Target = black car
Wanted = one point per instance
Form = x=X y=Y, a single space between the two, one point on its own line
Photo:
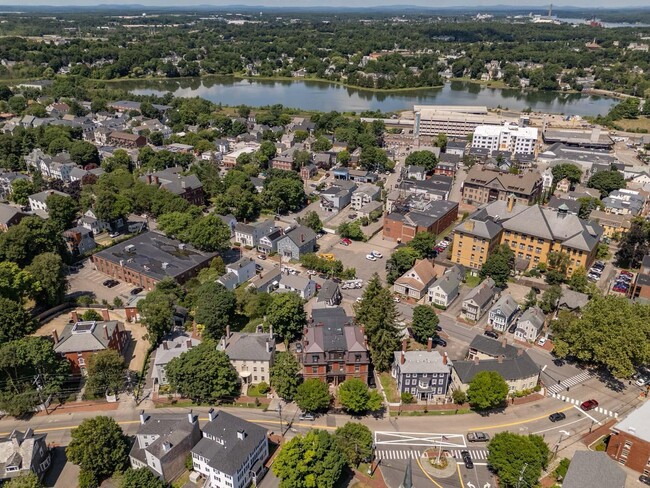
x=644 y=479
x=467 y=459
x=136 y=291
x=106 y=282
x=438 y=328
x=113 y=283
x=556 y=417
x=491 y=333
x=439 y=341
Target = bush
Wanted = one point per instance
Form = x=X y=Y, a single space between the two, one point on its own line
x=563 y=467
x=263 y=387
x=248 y=248
x=407 y=397
x=459 y=396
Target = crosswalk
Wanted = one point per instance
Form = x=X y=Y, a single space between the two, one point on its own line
x=477 y=454
x=396 y=454
x=569 y=382
x=573 y=401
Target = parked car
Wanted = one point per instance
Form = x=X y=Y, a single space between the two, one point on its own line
x=467 y=459
x=542 y=341
x=491 y=333
x=307 y=416
x=440 y=341
x=644 y=479
x=627 y=273
x=642 y=380
x=589 y=405
x=370 y=257
x=346 y=242
x=106 y=282
x=114 y=234
x=477 y=437
x=258 y=267
x=377 y=254
x=261 y=257
x=136 y=291
x=556 y=417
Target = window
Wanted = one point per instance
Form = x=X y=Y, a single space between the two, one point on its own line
x=538 y=250
x=255 y=369
x=357 y=368
x=522 y=245
x=314 y=369
x=314 y=358
x=82 y=362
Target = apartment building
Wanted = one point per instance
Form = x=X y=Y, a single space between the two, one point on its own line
x=506 y=137
x=484 y=185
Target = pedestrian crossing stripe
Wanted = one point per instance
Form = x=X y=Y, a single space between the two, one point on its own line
x=396 y=454
x=476 y=454
x=569 y=382
x=573 y=401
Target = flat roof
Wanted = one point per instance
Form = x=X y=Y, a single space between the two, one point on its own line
x=636 y=423
x=460 y=109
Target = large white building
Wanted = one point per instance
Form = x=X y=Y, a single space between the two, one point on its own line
x=455 y=121
x=506 y=137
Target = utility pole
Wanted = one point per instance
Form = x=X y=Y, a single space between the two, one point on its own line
x=280 y=415
x=521 y=475
x=39 y=387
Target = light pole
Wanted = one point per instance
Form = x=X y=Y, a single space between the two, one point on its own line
x=521 y=475
x=280 y=415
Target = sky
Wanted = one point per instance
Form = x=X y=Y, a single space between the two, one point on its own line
x=336 y=3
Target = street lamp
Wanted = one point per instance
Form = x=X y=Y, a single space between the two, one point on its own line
x=280 y=415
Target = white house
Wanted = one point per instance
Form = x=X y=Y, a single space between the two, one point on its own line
x=365 y=194
x=304 y=287
x=237 y=273
x=37 y=200
x=416 y=281
x=445 y=289
x=503 y=312
x=92 y=223
x=250 y=234
x=530 y=324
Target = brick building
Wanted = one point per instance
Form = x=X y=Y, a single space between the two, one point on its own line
x=334 y=349
x=641 y=285
x=125 y=139
x=403 y=223
x=484 y=185
x=629 y=443
x=171 y=179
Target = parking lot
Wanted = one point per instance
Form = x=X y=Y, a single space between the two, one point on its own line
x=88 y=280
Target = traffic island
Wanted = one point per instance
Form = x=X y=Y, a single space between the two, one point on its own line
x=439 y=464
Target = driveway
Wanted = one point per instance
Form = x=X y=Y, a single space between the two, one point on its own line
x=88 y=280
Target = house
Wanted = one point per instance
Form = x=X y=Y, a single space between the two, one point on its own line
x=297 y=242
x=337 y=196
x=301 y=286
x=267 y=282
x=22 y=453
x=333 y=348
x=187 y=187
x=503 y=312
x=90 y=221
x=238 y=272
x=613 y=225
x=371 y=210
x=530 y=324
x=457 y=148
x=308 y=171
x=125 y=139
x=365 y=194
x=404 y=221
x=625 y=202
x=231 y=453
x=269 y=243
x=9 y=216
x=81 y=339
x=593 y=468
x=564 y=204
x=329 y=294
x=6 y=180
x=413 y=172
x=446 y=288
x=629 y=443
x=250 y=234
x=520 y=372
x=416 y=281
x=483 y=185
x=437 y=187
x=230 y=221
x=38 y=201
x=484 y=347
x=171 y=347
x=79 y=240
x=572 y=300
x=163 y=442
x=251 y=354
x=478 y=300
x=424 y=374
x=149 y=257
x=447 y=165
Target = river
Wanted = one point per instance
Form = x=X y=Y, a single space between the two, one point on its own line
x=322 y=96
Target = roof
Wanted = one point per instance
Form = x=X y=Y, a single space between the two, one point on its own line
x=169 y=429
x=425 y=269
x=636 y=423
x=593 y=468
x=523 y=183
x=483 y=293
x=17 y=449
x=301 y=235
x=172 y=179
x=177 y=344
x=480 y=224
x=87 y=336
x=573 y=300
x=328 y=291
x=572 y=206
x=493 y=347
x=506 y=304
x=156 y=255
x=332 y=330
x=124 y=135
x=295 y=282
x=42 y=196
x=645 y=263
x=250 y=228
x=222 y=447
x=534 y=315
x=249 y=346
x=7 y=213
x=240 y=263
x=422 y=362
x=448 y=282
x=510 y=369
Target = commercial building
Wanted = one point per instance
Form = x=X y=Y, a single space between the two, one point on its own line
x=612 y=224
x=424 y=374
x=484 y=185
x=594 y=139
x=149 y=257
x=506 y=137
x=629 y=443
x=454 y=120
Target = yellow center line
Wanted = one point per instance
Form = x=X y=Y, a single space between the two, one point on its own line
x=460 y=476
x=426 y=474
x=519 y=422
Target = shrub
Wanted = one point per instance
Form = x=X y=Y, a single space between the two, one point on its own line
x=263 y=387
x=459 y=396
x=407 y=397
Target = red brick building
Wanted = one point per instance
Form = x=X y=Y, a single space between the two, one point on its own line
x=641 y=286
x=187 y=187
x=81 y=339
x=125 y=139
x=333 y=348
x=401 y=225
x=629 y=443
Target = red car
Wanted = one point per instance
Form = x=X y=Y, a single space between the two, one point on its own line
x=346 y=241
x=589 y=405
x=318 y=287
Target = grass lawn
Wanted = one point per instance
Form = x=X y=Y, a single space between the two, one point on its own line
x=640 y=123
x=390 y=387
x=472 y=281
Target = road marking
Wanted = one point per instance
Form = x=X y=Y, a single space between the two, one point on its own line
x=558 y=426
x=460 y=476
x=573 y=401
x=423 y=439
x=427 y=474
x=519 y=422
x=569 y=382
x=585 y=413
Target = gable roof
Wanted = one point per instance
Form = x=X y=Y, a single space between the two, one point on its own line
x=493 y=347
x=169 y=429
x=87 y=336
x=534 y=315
x=421 y=362
x=426 y=271
x=636 y=423
x=593 y=468
x=506 y=304
x=448 y=282
x=301 y=235
x=483 y=293
x=511 y=369
x=248 y=346
x=523 y=183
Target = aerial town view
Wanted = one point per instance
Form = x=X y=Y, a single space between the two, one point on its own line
x=363 y=244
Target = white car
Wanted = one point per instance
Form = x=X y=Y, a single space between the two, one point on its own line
x=376 y=254
x=359 y=299
x=542 y=341
x=370 y=257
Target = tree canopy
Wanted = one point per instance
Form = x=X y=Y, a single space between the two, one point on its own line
x=312 y=395
x=499 y=265
x=566 y=170
x=214 y=308
x=607 y=181
x=357 y=398
x=424 y=323
x=514 y=457
x=106 y=372
x=426 y=159
x=487 y=390
x=285 y=375
x=286 y=316
x=355 y=442
x=141 y=478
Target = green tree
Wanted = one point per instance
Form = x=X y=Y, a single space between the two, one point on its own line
x=634 y=245
x=285 y=375
x=607 y=181
x=313 y=460
x=550 y=297
x=91 y=315
x=31 y=237
x=355 y=442
x=15 y=283
x=499 y=265
x=400 y=262
x=526 y=466
x=557 y=266
x=286 y=315
x=578 y=281
x=357 y=398
x=84 y=153
x=351 y=230
x=587 y=205
x=530 y=300
x=141 y=478
x=487 y=390
x=52 y=283
x=312 y=395
x=62 y=210
x=214 y=308
x=29 y=480
x=15 y=321
x=425 y=159
x=20 y=191
x=458 y=396
x=343 y=158
x=99 y=447
x=423 y=243
x=566 y=170
x=157 y=314
x=283 y=195
x=203 y=374
x=424 y=323
x=209 y=234
x=106 y=372
x=312 y=220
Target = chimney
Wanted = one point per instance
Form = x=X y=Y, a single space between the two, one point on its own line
x=365 y=341
x=108 y=338
x=165 y=346
x=511 y=202
x=74 y=316
x=228 y=331
x=445 y=359
x=269 y=348
x=500 y=359
x=476 y=360
x=55 y=336
x=429 y=344
x=148 y=179
x=404 y=345
x=183 y=184
x=190 y=417
x=520 y=352
x=302 y=237
x=241 y=435
x=105 y=314
x=402 y=358
x=211 y=414
x=143 y=418
x=188 y=343
x=504 y=342
x=155 y=180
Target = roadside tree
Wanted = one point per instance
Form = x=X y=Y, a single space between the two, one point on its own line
x=355 y=442
x=487 y=390
x=312 y=395
x=285 y=375
x=424 y=323
x=532 y=455
x=106 y=372
x=357 y=398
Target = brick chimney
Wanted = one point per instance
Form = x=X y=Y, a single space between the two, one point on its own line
x=228 y=331
x=404 y=345
x=429 y=344
x=55 y=336
x=108 y=338
x=402 y=358
x=504 y=342
x=520 y=352
x=165 y=346
x=155 y=180
x=74 y=316
x=476 y=360
x=445 y=359
x=500 y=359
x=189 y=343
x=105 y=315
x=149 y=179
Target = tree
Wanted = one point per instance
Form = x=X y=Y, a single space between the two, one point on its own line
x=578 y=281
x=15 y=283
x=607 y=181
x=91 y=315
x=587 y=205
x=530 y=300
x=214 y=308
x=566 y=170
x=20 y=191
x=355 y=442
x=343 y=158
x=312 y=220
x=209 y=234
x=52 y=284
x=357 y=398
x=29 y=480
x=351 y=230
x=285 y=375
x=203 y=374
x=424 y=323
x=425 y=159
x=84 y=153
x=106 y=372
x=557 y=266
x=157 y=314
x=31 y=237
x=312 y=395
x=634 y=245
x=286 y=316
x=141 y=478
x=62 y=210
x=441 y=141
x=458 y=396
x=99 y=447
x=487 y=390
x=15 y=321
x=309 y=461
x=524 y=468
x=283 y=195
x=400 y=262
x=499 y=265
x=423 y=243
x=550 y=298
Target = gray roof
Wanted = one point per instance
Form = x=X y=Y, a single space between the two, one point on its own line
x=301 y=235
x=42 y=196
x=332 y=330
x=573 y=300
x=573 y=206
x=479 y=224
x=267 y=279
x=172 y=180
x=519 y=367
x=170 y=429
x=18 y=449
x=240 y=263
x=86 y=336
x=250 y=228
x=7 y=213
x=421 y=362
x=593 y=468
x=493 y=347
x=636 y=423
x=249 y=346
x=483 y=293
x=176 y=345
x=328 y=291
x=506 y=304
x=229 y=280
x=156 y=255
x=534 y=315
x=229 y=453
x=294 y=281
x=448 y=282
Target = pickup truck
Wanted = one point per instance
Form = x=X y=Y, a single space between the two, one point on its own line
x=477 y=437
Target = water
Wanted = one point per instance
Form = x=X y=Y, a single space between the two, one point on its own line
x=314 y=95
